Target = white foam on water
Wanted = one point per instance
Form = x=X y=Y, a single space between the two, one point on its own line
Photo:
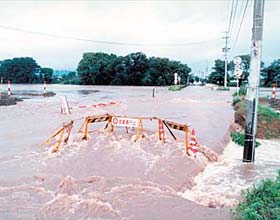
x=222 y=182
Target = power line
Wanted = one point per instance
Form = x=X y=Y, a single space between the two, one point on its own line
x=230 y=19
x=244 y=12
x=105 y=42
x=234 y=31
x=233 y=18
x=226 y=11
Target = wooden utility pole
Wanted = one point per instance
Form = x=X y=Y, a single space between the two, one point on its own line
x=253 y=83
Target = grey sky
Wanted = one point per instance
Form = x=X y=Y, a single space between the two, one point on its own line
x=141 y=22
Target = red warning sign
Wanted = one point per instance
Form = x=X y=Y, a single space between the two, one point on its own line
x=124 y=122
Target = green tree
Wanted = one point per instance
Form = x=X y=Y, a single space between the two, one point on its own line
x=96 y=68
x=136 y=64
x=46 y=74
x=246 y=68
x=191 y=79
x=161 y=71
x=218 y=74
x=132 y=69
x=20 y=70
x=271 y=74
x=120 y=70
x=70 y=78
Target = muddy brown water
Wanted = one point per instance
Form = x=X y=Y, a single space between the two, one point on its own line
x=109 y=176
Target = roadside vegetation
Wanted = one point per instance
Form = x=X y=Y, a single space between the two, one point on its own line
x=261 y=202
x=239 y=138
x=268 y=119
x=176 y=87
x=222 y=88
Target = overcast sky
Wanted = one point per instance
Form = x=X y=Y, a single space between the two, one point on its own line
x=156 y=25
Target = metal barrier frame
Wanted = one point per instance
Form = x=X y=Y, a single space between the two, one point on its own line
x=66 y=127
x=84 y=129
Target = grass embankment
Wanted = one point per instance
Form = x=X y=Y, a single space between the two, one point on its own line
x=176 y=87
x=268 y=120
x=261 y=202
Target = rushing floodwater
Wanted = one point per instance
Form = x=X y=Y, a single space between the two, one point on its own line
x=222 y=182
x=109 y=176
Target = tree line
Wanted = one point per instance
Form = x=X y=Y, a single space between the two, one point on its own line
x=269 y=74
x=132 y=69
x=24 y=70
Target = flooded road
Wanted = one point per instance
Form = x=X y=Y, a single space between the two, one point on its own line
x=108 y=176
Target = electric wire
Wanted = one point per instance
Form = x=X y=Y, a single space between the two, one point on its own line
x=234 y=31
x=233 y=18
x=231 y=13
x=105 y=42
x=240 y=26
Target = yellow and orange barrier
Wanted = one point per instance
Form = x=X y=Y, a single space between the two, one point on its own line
x=93 y=119
x=126 y=122
x=63 y=133
x=180 y=127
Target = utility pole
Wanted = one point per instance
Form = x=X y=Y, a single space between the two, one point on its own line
x=206 y=71
x=253 y=83
x=225 y=50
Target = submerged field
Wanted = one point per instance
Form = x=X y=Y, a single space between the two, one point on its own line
x=109 y=176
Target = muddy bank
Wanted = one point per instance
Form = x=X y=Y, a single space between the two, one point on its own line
x=275 y=103
x=6 y=100
x=34 y=94
x=268 y=121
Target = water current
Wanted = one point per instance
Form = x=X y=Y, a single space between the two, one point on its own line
x=112 y=177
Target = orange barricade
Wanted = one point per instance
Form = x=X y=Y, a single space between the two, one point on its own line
x=67 y=127
x=93 y=119
x=122 y=121
x=180 y=127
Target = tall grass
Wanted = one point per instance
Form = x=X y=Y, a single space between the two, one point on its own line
x=242 y=92
x=261 y=202
x=239 y=138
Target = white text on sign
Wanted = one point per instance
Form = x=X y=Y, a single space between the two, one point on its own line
x=124 y=122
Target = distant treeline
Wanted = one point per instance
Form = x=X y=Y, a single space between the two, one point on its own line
x=100 y=69
x=24 y=70
x=132 y=69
